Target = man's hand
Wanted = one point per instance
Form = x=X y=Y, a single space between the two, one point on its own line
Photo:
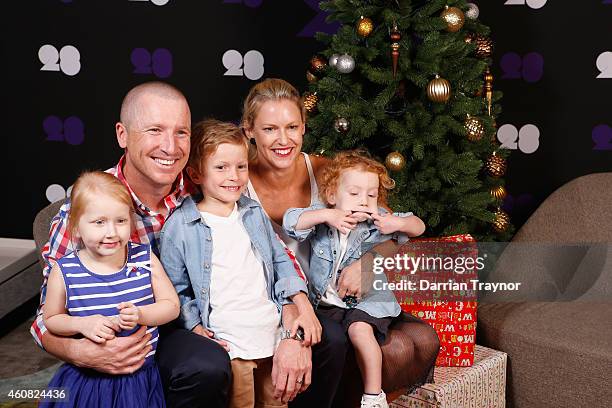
x=340 y=219
x=128 y=315
x=121 y=355
x=199 y=329
x=97 y=328
x=291 y=369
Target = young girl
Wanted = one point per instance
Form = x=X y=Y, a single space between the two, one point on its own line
x=229 y=269
x=109 y=287
x=348 y=224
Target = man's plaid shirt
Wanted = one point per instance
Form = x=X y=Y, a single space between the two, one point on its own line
x=146 y=228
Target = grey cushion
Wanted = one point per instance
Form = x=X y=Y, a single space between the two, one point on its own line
x=557 y=332
x=42 y=223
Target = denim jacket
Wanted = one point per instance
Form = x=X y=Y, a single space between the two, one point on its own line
x=324 y=247
x=186 y=251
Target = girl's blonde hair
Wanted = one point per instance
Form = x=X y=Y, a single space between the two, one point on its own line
x=271 y=89
x=354 y=159
x=88 y=187
x=207 y=135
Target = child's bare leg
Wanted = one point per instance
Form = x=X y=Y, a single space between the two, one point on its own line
x=369 y=356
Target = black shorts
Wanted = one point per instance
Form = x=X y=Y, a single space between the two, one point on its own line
x=346 y=317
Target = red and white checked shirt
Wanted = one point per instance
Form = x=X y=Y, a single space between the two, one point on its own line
x=148 y=225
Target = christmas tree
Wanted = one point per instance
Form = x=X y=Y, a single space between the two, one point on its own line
x=410 y=82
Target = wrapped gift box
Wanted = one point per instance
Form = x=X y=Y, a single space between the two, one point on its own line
x=449 y=307
x=455 y=324
x=483 y=385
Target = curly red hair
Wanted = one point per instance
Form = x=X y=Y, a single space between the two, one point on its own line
x=354 y=159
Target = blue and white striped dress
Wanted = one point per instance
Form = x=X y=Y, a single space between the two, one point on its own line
x=88 y=293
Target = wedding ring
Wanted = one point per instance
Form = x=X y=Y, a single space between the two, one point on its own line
x=299 y=381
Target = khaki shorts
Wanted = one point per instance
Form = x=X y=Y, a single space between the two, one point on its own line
x=252 y=384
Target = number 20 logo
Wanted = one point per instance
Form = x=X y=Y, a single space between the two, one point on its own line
x=251 y=66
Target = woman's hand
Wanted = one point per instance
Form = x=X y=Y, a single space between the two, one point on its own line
x=306 y=319
x=128 y=315
x=98 y=328
x=340 y=219
x=350 y=280
x=199 y=329
x=291 y=369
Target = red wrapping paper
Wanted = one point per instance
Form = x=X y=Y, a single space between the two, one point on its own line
x=452 y=313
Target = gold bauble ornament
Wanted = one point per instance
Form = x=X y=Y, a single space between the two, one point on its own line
x=439 y=90
x=311 y=77
x=502 y=220
x=495 y=165
x=395 y=161
x=317 y=64
x=365 y=26
x=310 y=102
x=499 y=193
x=454 y=18
x=473 y=128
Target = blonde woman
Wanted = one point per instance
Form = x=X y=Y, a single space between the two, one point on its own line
x=281 y=176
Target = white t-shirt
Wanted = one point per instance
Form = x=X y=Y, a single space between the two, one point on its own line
x=331 y=297
x=241 y=312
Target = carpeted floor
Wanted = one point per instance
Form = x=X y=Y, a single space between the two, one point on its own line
x=23 y=365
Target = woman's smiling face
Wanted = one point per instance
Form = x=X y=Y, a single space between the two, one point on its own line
x=278 y=130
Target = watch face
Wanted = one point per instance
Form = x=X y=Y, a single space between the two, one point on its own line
x=299 y=335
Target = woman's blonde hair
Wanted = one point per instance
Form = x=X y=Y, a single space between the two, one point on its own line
x=88 y=187
x=207 y=135
x=354 y=159
x=271 y=89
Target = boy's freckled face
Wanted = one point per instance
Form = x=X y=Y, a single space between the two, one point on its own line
x=225 y=173
x=357 y=191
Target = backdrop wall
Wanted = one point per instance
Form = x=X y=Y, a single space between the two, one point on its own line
x=68 y=63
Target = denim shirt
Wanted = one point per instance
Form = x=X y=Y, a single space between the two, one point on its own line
x=377 y=303
x=186 y=248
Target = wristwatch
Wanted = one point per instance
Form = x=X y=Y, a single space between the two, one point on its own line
x=286 y=334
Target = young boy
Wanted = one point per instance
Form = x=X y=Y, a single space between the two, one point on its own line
x=349 y=223
x=230 y=271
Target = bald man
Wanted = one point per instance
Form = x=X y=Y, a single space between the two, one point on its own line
x=154 y=130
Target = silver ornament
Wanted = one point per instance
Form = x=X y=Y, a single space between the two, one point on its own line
x=472 y=12
x=341 y=125
x=345 y=64
x=333 y=60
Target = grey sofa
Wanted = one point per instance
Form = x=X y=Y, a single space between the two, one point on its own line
x=558 y=330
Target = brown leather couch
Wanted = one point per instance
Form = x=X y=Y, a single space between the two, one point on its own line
x=558 y=330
